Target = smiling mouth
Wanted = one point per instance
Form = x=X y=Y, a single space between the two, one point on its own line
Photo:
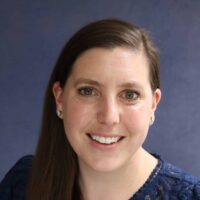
x=105 y=140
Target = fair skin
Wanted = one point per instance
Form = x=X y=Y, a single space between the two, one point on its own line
x=106 y=105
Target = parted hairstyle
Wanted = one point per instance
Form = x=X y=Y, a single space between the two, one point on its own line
x=55 y=170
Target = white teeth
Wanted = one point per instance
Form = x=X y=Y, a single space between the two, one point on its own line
x=105 y=140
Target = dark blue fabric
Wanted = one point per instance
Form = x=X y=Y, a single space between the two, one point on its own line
x=14 y=184
x=166 y=182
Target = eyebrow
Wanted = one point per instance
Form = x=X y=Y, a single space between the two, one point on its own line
x=87 y=81
x=131 y=84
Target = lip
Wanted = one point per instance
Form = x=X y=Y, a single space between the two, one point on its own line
x=102 y=146
x=106 y=135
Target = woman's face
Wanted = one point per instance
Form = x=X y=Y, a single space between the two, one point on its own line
x=107 y=104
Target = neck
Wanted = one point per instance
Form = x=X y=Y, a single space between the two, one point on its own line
x=119 y=184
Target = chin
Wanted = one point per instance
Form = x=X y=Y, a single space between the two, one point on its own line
x=106 y=166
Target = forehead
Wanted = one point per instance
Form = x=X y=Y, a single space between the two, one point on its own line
x=119 y=63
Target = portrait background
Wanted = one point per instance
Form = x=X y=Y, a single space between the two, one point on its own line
x=32 y=34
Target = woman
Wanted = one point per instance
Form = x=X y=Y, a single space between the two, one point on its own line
x=100 y=102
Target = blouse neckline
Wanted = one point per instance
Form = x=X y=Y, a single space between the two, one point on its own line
x=150 y=179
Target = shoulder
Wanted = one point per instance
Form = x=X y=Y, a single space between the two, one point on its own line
x=14 y=183
x=178 y=182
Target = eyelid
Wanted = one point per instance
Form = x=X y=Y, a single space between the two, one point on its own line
x=94 y=92
x=124 y=92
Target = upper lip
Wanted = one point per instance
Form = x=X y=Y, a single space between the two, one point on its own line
x=106 y=134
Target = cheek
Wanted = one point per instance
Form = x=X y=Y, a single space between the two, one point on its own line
x=136 y=124
x=76 y=116
x=137 y=119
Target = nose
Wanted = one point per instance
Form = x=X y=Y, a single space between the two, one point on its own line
x=108 y=112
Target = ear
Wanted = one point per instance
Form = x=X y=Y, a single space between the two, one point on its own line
x=156 y=99
x=57 y=92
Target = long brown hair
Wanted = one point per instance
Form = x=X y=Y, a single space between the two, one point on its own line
x=55 y=168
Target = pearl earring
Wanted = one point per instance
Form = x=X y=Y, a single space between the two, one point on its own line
x=59 y=113
x=152 y=119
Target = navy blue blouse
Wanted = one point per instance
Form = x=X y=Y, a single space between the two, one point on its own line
x=166 y=182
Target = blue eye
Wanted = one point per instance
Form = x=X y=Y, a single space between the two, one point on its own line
x=130 y=95
x=86 y=91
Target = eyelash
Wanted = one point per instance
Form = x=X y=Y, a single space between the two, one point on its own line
x=90 y=91
x=84 y=91
x=134 y=97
